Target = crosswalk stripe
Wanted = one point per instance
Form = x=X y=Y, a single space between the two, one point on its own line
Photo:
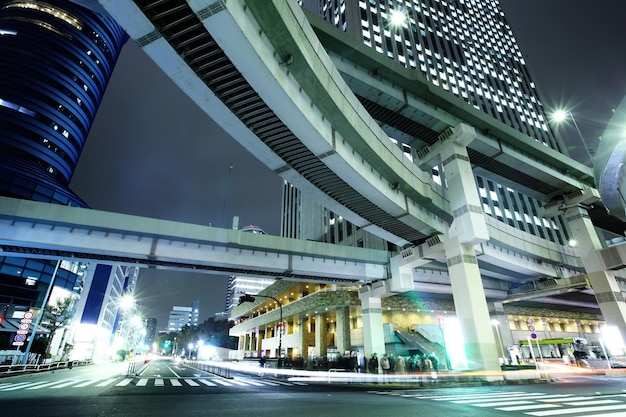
x=577 y=410
x=86 y=383
x=143 y=382
x=527 y=407
x=191 y=382
x=222 y=382
x=258 y=384
x=207 y=382
x=106 y=382
x=283 y=383
x=270 y=383
x=65 y=384
x=572 y=398
x=237 y=382
x=45 y=385
x=500 y=403
x=476 y=396
x=12 y=387
x=22 y=386
x=124 y=382
x=592 y=402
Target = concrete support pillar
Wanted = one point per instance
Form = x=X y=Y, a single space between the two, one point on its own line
x=342 y=334
x=602 y=282
x=373 y=334
x=579 y=327
x=471 y=307
x=546 y=328
x=467 y=229
x=258 y=340
x=504 y=337
x=248 y=341
x=320 y=334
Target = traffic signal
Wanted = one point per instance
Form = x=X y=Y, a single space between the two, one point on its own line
x=246 y=297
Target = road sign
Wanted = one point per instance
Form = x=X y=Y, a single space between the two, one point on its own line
x=531 y=328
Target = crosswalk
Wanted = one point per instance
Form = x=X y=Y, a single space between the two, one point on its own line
x=142 y=382
x=535 y=404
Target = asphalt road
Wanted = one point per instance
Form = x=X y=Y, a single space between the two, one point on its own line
x=171 y=389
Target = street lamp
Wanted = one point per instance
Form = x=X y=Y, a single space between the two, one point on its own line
x=559 y=116
x=247 y=297
x=397 y=18
x=230 y=168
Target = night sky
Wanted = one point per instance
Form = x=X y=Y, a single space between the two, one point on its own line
x=152 y=152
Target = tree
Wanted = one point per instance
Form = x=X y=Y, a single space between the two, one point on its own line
x=57 y=315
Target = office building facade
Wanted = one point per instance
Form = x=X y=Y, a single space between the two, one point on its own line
x=59 y=58
x=107 y=317
x=181 y=316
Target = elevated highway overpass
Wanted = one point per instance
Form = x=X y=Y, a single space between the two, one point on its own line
x=317 y=108
x=40 y=230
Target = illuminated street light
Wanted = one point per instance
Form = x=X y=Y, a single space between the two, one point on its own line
x=397 y=18
x=559 y=116
x=127 y=301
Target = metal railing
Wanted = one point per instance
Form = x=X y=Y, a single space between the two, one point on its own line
x=216 y=368
x=8 y=370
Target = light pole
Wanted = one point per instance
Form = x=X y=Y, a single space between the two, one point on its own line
x=247 y=297
x=561 y=115
x=496 y=324
x=230 y=168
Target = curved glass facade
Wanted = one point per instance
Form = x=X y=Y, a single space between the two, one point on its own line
x=57 y=59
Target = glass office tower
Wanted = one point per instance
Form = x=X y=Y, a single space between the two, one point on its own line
x=57 y=58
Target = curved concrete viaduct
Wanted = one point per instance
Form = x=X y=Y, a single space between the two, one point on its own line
x=260 y=70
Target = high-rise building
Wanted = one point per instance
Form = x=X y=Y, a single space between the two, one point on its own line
x=181 y=316
x=464 y=47
x=240 y=285
x=305 y=218
x=195 y=313
x=151 y=332
x=57 y=60
x=468 y=49
x=106 y=317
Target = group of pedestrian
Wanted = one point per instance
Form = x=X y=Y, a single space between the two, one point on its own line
x=422 y=365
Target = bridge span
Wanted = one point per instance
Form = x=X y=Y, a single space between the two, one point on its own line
x=40 y=230
x=275 y=83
